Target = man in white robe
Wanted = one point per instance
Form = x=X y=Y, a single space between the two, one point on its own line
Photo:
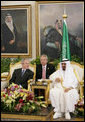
x=64 y=95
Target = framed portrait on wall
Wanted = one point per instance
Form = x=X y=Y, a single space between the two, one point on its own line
x=49 y=27
x=16 y=31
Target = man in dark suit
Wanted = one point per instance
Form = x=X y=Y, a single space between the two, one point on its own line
x=49 y=68
x=22 y=75
x=43 y=71
x=9 y=36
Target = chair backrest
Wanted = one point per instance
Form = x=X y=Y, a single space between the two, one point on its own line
x=18 y=65
x=78 y=68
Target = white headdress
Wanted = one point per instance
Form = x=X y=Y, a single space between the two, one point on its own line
x=9 y=24
x=68 y=75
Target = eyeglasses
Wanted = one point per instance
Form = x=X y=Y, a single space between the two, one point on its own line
x=24 y=63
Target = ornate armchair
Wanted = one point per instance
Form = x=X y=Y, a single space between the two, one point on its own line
x=16 y=66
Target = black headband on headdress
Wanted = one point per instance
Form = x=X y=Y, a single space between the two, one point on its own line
x=63 y=60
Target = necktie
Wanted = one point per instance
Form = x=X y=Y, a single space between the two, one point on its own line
x=43 y=73
x=23 y=71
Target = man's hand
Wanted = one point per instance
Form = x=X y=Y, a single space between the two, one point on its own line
x=11 y=42
x=57 y=44
x=3 y=48
x=58 y=80
x=67 y=89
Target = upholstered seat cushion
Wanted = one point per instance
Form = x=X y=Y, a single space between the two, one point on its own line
x=3 y=84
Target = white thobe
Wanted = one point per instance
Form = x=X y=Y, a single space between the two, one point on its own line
x=64 y=101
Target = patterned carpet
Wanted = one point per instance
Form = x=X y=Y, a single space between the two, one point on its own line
x=72 y=119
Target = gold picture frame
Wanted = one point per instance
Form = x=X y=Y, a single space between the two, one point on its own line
x=21 y=16
x=46 y=16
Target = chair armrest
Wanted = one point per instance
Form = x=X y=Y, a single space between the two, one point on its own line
x=4 y=84
x=8 y=77
x=81 y=82
x=29 y=82
x=48 y=81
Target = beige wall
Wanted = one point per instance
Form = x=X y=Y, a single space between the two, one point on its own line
x=3 y=3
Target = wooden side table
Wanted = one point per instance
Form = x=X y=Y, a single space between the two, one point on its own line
x=45 y=87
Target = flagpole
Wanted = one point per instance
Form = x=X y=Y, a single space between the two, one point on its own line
x=65 y=41
x=64 y=15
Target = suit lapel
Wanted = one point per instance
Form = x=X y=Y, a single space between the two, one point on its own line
x=24 y=73
x=46 y=70
x=47 y=67
x=40 y=73
x=41 y=68
x=19 y=73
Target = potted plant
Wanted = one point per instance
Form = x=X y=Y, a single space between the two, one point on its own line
x=79 y=107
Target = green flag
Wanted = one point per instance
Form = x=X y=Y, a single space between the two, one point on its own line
x=65 y=54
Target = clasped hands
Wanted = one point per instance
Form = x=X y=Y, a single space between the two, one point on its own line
x=11 y=42
x=57 y=80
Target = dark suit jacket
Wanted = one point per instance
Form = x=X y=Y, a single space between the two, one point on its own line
x=17 y=77
x=49 y=70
